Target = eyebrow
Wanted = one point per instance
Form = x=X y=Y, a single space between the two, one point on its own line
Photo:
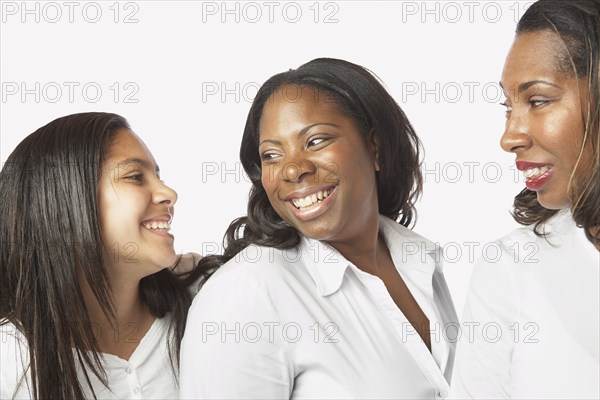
x=140 y=162
x=526 y=85
x=301 y=133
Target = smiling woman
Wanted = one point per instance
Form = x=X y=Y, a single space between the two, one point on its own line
x=319 y=296
x=545 y=306
x=89 y=307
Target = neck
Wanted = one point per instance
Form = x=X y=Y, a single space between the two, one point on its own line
x=365 y=251
x=132 y=315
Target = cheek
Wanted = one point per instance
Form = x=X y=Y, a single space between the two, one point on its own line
x=121 y=210
x=264 y=179
x=105 y=211
x=568 y=142
x=270 y=175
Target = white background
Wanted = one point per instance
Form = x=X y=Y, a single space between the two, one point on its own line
x=171 y=61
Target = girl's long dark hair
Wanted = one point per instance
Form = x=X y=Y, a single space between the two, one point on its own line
x=577 y=23
x=360 y=96
x=49 y=229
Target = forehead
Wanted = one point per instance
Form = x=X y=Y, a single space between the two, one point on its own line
x=534 y=55
x=293 y=103
x=127 y=144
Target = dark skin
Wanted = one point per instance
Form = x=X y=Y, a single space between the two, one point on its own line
x=383 y=267
x=307 y=147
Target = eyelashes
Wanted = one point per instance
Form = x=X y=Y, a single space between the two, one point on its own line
x=313 y=144
x=139 y=177
x=532 y=102
x=136 y=177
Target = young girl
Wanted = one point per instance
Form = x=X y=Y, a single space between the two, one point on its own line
x=88 y=306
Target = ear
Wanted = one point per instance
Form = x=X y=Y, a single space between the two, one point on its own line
x=373 y=143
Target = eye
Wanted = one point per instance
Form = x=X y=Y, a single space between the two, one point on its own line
x=268 y=156
x=537 y=103
x=316 y=141
x=508 y=108
x=136 y=177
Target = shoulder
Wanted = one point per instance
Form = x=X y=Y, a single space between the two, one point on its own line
x=14 y=362
x=255 y=273
x=401 y=232
x=258 y=265
x=498 y=274
x=11 y=338
x=405 y=240
x=412 y=248
x=560 y=228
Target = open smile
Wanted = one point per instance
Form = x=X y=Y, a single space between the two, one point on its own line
x=536 y=174
x=159 y=226
x=311 y=203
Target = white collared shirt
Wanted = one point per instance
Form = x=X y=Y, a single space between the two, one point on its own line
x=535 y=314
x=146 y=375
x=306 y=323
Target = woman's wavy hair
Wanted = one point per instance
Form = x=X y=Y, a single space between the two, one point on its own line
x=360 y=96
x=577 y=24
x=49 y=229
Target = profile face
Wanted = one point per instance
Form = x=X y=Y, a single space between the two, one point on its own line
x=545 y=118
x=135 y=208
x=318 y=170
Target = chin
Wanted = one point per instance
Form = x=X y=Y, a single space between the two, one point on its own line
x=166 y=261
x=553 y=202
x=322 y=235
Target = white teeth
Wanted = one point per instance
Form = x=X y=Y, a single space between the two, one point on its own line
x=158 y=225
x=535 y=172
x=311 y=199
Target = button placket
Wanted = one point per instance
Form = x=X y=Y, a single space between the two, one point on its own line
x=133 y=382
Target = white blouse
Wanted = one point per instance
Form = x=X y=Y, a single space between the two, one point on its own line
x=306 y=323
x=534 y=313
x=147 y=373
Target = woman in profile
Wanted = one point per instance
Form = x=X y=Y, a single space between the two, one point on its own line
x=325 y=292
x=89 y=307
x=541 y=298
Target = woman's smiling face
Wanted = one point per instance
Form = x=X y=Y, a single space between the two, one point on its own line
x=545 y=118
x=318 y=170
x=135 y=207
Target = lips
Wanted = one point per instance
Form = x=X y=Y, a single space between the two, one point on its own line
x=536 y=174
x=160 y=225
x=309 y=203
x=311 y=199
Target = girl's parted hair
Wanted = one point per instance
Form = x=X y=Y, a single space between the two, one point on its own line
x=49 y=229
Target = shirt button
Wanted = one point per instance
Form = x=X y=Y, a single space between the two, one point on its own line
x=136 y=390
x=441 y=395
x=128 y=370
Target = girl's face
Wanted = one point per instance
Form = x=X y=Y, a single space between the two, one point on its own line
x=317 y=169
x=545 y=117
x=136 y=208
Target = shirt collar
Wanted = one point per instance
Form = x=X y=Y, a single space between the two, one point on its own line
x=327 y=266
x=409 y=249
